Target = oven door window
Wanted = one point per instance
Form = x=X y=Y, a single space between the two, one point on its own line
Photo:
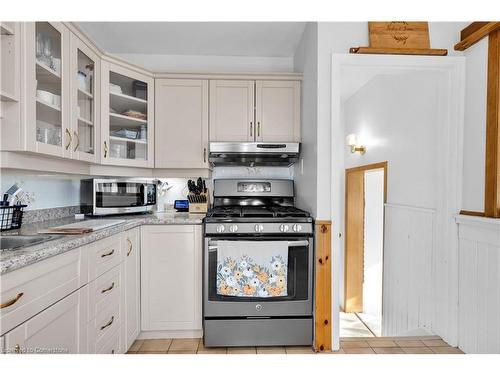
x=297 y=281
x=119 y=194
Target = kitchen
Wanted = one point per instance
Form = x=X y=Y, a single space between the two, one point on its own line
x=158 y=201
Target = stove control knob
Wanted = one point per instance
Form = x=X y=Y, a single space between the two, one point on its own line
x=220 y=228
x=284 y=228
x=259 y=228
x=297 y=227
x=233 y=228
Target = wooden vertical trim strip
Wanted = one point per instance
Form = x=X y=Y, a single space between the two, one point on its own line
x=323 y=287
x=492 y=163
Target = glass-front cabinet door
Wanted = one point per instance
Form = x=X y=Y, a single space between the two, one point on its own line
x=127 y=116
x=85 y=101
x=47 y=88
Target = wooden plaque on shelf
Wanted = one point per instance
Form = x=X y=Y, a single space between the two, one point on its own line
x=399 y=34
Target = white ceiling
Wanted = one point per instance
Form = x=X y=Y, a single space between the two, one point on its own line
x=273 y=39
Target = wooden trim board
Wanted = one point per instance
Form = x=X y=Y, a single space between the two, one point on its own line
x=474 y=33
x=399 y=51
x=492 y=163
x=323 y=287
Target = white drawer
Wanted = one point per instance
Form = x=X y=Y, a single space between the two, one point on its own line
x=104 y=290
x=31 y=289
x=105 y=323
x=106 y=254
x=109 y=345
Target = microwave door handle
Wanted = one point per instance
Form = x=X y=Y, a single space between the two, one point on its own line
x=144 y=195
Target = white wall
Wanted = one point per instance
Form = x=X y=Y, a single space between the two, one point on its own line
x=479 y=285
x=396 y=118
x=373 y=242
x=306 y=62
x=210 y=64
x=475 y=126
x=47 y=191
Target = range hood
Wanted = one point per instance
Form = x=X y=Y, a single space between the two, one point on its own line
x=253 y=153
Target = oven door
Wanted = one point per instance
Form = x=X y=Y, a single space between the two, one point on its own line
x=115 y=196
x=297 y=302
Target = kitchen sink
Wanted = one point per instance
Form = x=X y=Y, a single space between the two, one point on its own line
x=16 y=242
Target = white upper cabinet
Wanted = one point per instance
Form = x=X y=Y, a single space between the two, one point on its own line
x=181 y=116
x=277 y=111
x=85 y=101
x=127 y=116
x=47 y=119
x=232 y=111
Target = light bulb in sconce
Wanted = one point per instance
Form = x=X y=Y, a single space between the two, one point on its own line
x=352 y=142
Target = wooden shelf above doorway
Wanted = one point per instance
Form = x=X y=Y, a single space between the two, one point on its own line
x=399 y=51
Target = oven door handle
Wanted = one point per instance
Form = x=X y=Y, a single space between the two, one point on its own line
x=212 y=245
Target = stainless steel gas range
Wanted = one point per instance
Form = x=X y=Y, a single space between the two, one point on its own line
x=258 y=266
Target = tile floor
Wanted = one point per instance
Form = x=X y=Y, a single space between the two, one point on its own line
x=352 y=345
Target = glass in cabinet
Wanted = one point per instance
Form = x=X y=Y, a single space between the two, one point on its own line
x=47 y=50
x=127 y=117
x=85 y=101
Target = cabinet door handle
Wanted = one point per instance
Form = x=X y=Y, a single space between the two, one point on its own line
x=108 y=323
x=204 y=155
x=17 y=349
x=129 y=247
x=258 y=129
x=70 y=139
x=12 y=301
x=77 y=141
x=108 y=288
x=251 y=129
x=105 y=149
x=108 y=254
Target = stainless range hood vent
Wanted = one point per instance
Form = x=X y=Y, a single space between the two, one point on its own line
x=254 y=154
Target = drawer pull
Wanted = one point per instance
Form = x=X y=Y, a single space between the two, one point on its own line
x=108 y=323
x=12 y=301
x=17 y=349
x=108 y=254
x=129 y=247
x=109 y=288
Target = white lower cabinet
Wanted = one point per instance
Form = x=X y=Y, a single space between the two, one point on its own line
x=132 y=294
x=171 y=285
x=59 y=329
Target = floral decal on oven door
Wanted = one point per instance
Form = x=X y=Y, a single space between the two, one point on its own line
x=245 y=278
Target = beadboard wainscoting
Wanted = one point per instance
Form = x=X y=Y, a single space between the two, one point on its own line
x=479 y=284
x=408 y=254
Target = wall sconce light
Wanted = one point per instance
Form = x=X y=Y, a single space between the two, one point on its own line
x=352 y=142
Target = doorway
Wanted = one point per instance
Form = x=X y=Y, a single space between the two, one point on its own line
x=365 y=196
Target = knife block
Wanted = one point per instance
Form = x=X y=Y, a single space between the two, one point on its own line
x=198 y=204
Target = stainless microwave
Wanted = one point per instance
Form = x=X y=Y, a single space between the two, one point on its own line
x=117 y=196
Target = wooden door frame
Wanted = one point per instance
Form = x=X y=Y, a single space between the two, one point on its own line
x=350 y=171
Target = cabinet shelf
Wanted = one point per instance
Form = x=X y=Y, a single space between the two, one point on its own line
x=127 y=121
x=122 y=103
x=48 y=113
x=85 y=121
x=6 y=97
x=120 y=139
x=48 y=75
x=6 y=29
x=85 y=94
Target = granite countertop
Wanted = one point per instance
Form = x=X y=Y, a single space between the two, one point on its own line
x=11 y=260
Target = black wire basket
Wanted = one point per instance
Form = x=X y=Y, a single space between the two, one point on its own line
x=11 y=217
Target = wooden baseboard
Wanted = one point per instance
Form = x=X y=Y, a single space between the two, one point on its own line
x=323 y=288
